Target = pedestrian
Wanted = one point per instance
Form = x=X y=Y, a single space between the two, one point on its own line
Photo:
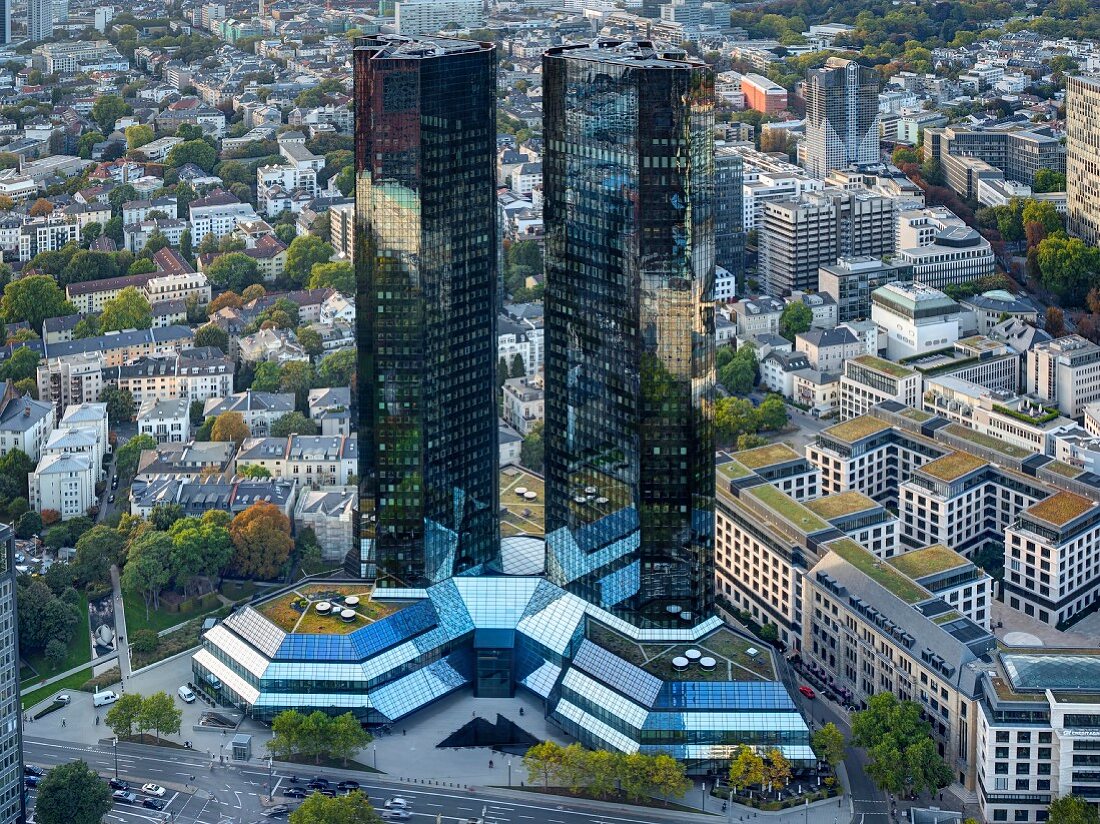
x=406 y=732
x=63 y=722
x=97 y=720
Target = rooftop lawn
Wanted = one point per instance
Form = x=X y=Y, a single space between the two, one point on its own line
x=1063 y=469
x=788 y=508
x=947 y=617
x=840 y=504
x=953 y=466
x=914 y=414
x=518 y=515
x=857 y=428
x=767 y=455
x=989 y=442
x=893 y=369
x=927 y=561
x=1060 y=508
x=295 y=612
x=733 y=469
x=1005 y=692
x=879 y=571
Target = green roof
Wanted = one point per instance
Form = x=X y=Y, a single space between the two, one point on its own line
x=927 y=561
x=733 y=469
x=953 y=466
x=988 y=441
x=842 y=503
x=762 y=456
x=1063 y=469
x=856 y=428
x=879 y=571
x=890 y=368
x=918 y=415
x=788 y=508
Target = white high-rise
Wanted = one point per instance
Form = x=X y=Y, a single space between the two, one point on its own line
x=39 y=19
x=416 y=17
x=841 y=116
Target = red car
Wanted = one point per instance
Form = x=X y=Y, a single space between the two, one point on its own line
x=809 y=693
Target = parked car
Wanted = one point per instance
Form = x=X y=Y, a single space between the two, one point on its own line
x=153 y=804
x=295 y=792
x=153 y=789
x=319 y=784
x=124 y=797
x=30 y=769
x=63 y=698
x=32 y=780
x=111 y=499
x=809 y=693
x=186 y=695
x=348 y=786
x=117 y=784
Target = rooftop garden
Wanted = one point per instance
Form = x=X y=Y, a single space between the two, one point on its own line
x=947 y=617
x=733 y=469
x=296 y=611
x=914 y=414
x=767 y=455
x=986 y=441
x=927 y=561
x=1048 y=414
x=887 y=367
x=857 y=428
x=730 y=651
x=953 y=466
x=1060 y=508
x=879 y=571
x=1063 y=469
x=518 y=515
x=788 y=508
x=840 y=504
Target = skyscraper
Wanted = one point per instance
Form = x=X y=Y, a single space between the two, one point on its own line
x=841 y=116
x=39 y=19
x=729 y=217
x=629 y=187
x=5 y=22
x=11 y=730
x=427 y=272
x=1083 y=157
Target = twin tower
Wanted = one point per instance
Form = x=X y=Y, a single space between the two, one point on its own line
x=629 y=320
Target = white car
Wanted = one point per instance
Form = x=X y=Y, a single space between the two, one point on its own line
x=186 y=695
x=397 y=803
x=153 y=789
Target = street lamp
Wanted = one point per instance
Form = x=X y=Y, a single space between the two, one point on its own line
x=114 y=746
x=509 y=772
x=374 y=749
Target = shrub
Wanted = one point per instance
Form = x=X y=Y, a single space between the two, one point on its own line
x=104 y=679
x=145 y=640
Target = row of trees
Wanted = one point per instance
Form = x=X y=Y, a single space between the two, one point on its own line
x=598 y=772
x=134 y=713
x=737 y=421
x=903 y=758
x=297 y=735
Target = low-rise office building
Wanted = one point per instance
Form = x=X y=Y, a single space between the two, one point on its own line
x=1065 y=372
x=917 y=319
x=869 y=380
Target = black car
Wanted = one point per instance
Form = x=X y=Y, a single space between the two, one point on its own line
x=30 y=769
x=326 y=791
x=153 y=803
x=319 y=784
x=118 y=784
x=32 y=780
x=348 y=786
x=295 y=792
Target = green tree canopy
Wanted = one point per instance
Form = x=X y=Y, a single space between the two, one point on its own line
x=34 y=299
x=234 y=271
x=304 y=252
x=212 y=335
x=138 y=136
x=795 y=319
x=338 y=275
x=126 y=458
x=107 y=109
x=148 y=571
x=1072 y=809
x=199 y=152
x=129 y=309
x=903 y=756
x=353 y=808
x=72 y=793
x=292 y=423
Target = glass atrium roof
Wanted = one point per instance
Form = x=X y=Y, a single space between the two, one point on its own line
x=1053 y=672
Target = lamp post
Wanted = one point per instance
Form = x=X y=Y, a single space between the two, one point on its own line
x=509 y=772
x=374 y=749
x=114 y=746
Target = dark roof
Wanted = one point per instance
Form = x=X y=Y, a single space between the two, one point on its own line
x=89 y=287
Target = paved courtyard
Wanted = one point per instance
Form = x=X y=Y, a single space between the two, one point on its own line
x=1085 y=633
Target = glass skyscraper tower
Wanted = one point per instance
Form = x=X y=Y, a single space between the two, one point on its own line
x=426 y=266
x=630 y=240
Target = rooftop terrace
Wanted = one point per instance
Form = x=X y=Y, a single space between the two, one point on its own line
x=895 y=370
x=520 y=515
x=296 y=611
x=879 y=571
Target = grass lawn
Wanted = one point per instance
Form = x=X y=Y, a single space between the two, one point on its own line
x=71 y=682
x=520 y=516
x=288 y=613
x=157 y=620
x=879 y=571
x=80 y=648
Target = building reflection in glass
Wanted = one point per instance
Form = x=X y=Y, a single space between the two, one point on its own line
x=427 y=274
x=628 y=184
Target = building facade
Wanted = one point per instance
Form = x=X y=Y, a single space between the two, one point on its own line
x=841 y=116
x=1083 y=157
x=426 y=203
x=629 y=328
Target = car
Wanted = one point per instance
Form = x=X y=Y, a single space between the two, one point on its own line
x=153 y=804
x=295 y=792
x=396 y=815
x=186 y=695
x=278 y=809
x=397 y=803
x=809 y=693
x=348 y=786
x=124 y=797
x=111 y=499
x=63 y=698
x=30 y=769
x=103 y=698
x=326 y=791
x=214 y=681
x=31 y=780
x=118 y=784
x=319 y=784
x=153 y=789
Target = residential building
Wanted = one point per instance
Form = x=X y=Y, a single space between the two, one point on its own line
x=330 y=409
x=313 y=461
x=90 y=420
x=447 y=523
x=178 y=286
x=274 y=345
x=46 y=235
x=167 y=420
x=91 y=296
x=1083 y=157
x=330 y=513
x=757 y=316
x=841 y=116
x=851 y=280
x=1065 y=372
x=64 y=482
x=617 y=339
x=413 y=18
x=524 y=404
x=828 y=349
x=25 y=424
x=39 y=20
x=917 y=319
x=71 y=379
x=518 y=334
x=217 y=214
x=869 y=380
x=199 y=495
x=342 y=230
x=119 y=347
x=258 y=409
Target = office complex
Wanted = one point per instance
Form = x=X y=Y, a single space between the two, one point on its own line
x=851 y=280
x=1065 y=372
x=1083 y=157
x=630 y=328
x=841 y=116
x=427 y=274
x=5 y=22
x=413 y=18
x=729 y=223
x=11 y=731
x=1018 y=153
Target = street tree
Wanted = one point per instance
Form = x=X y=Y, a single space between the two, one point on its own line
x=668 y=777
x=746 y=769
x=72 y=793
x=772 y=415
x=542 y=762
x=287 y=733
x=160 y=714
x=123 y=714
x=1072 y=809
x=346 y=737
x=828 y=744
x=353 y=808
x=777 y=769
x=893 y=733
x=261 y=541
x=127 y=456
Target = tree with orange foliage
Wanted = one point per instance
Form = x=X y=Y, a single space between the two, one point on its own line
x=261 y=541
x=41 y=208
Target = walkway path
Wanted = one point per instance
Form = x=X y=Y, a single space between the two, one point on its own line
x=120 y=626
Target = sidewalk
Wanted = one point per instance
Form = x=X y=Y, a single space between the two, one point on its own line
x=120 y=625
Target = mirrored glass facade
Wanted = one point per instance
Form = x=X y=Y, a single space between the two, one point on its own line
x=493 y=634
x=630 y=241
x=427 y=276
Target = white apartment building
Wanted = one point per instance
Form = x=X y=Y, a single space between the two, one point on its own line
x=869 y=380
x=64 y=482
x=46 y=235
x=917 y=319
x=70 y=380
x=218 y=214
x=1066 y=372
x=828 y=349
x=166 y=421
x=757 y=316
x=524 y=404
x=91 y=420
x=258 y=409
x=25 y=424
x=314 y=461
x=416 y=17
x=181 y=286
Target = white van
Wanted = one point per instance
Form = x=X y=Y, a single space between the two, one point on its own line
x=186 y=695
x=102 y=699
